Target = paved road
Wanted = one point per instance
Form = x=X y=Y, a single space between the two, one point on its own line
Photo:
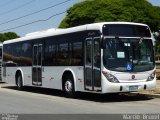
x=47 y=101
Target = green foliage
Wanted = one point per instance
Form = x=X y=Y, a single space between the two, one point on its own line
x=157 y=46
x=92 y=11
x=8 y=36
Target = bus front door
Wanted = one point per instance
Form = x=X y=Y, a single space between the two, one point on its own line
x=92 y=64
x=37 y=65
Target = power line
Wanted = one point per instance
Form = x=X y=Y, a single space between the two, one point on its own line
x=43 y=20
x=18 y=7
x=34 y=12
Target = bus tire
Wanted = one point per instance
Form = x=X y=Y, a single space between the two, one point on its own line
x=19 y=82
x=68 y=86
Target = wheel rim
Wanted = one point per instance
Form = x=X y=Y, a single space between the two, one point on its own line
x=68 y=86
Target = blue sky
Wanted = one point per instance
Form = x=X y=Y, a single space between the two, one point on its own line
x=155 y=2
x=10 y=9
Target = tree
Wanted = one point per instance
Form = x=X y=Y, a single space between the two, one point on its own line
x=91 y=11
x=157 y=46
x=8 y=36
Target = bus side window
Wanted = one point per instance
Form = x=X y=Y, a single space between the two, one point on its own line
x=63 y=51
x=77 y=52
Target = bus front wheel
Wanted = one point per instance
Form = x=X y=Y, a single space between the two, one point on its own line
x=68 y=87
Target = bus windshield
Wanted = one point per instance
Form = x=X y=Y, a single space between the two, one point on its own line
x=128 y=54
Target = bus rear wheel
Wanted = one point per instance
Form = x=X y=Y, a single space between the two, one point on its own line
x=19 y=82
x=68 y=87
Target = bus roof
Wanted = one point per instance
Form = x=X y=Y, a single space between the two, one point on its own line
x=52 y=32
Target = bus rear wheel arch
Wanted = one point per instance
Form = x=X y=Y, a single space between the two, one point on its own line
x=68 y=84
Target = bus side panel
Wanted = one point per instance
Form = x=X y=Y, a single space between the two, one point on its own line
x=27 y=76
x=11 y=72
x=52 y=77
x=10 y=75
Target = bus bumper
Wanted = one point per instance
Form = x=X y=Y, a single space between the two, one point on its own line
x=108 y=87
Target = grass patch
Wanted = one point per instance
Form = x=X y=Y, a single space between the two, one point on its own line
x=150 y=92
x=158 y=74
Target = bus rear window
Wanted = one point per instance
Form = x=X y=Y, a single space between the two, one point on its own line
x=126 y=30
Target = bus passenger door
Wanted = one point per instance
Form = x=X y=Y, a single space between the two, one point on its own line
x=37 y=65
x=92 y=64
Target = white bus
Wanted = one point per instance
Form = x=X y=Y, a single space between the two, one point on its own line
x=106 y=57
x=1 y=62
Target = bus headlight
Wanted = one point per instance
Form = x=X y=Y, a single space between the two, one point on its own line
x=151 y=77
x=110 y=77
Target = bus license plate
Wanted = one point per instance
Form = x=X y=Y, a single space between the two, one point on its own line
x=131 y=88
